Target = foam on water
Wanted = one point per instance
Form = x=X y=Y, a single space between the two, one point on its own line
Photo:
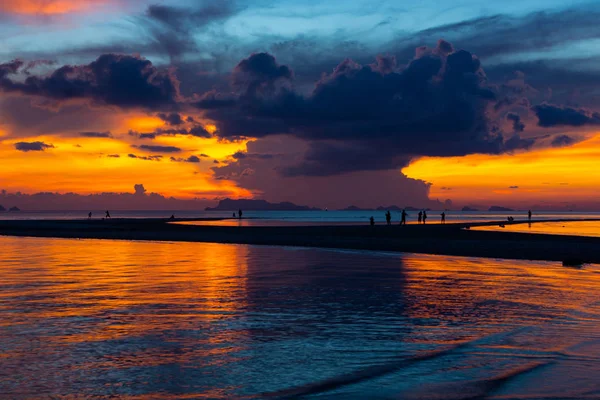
x=141 y=320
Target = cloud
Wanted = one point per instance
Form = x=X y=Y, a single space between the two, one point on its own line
x=262 y=176
x=550 y=115
x=197 y=131
x=160 y=149
x=32 y=146
x=173 y=28
x=113 y=156
x=115 y=80
x=243 y=155
x=368 y=117
x=190 y=159
x=139 y=189
x=173 y=119
x=518 y=126
x=563 y=140
x=95 y=134
x=513 y=187
x=146 y=158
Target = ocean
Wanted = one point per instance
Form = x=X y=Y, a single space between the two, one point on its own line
x=301 y=217
x=145 y=320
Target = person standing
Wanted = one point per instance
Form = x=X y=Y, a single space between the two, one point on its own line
x=107 y=215
x=443 y=217
x=424 y=216
x=420 y=216
x=403 y=220
x=388 y=218
x=372 y=221
x=529 y=215
x=240 y=214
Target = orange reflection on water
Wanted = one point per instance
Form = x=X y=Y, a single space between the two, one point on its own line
x=152 y=288
x=583 y=228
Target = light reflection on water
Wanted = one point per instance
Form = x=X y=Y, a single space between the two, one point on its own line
x=580 y=228
x=175 y=320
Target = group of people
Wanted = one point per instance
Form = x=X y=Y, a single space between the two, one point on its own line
x=421 y=217
x=107 y=215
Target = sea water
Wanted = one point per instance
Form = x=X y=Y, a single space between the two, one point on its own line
x=145 y=320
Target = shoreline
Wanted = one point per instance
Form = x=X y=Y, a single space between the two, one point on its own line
x=449 y=239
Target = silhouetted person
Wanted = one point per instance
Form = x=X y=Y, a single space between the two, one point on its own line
x=90 y=215
x=529 y=214
x=424 y=216
x=107 y=214
x=372 y=221
x=388 y=218
x=443 y=217
x=420 y=216
x=172 y=217
x=240 y=214
x=403 y=220
x=233 y=215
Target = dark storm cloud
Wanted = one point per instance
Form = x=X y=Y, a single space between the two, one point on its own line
x=95 y=134
x=199 y=131
x=190 y=159
x=118 y=80
x=563 y=140
x=173 y=119
x=550 y=115
x=172 y=29
x=369 y=117
x=258 y=74
x=32 y=146
x=213 y=99
x=518 y=126
x=160 y=149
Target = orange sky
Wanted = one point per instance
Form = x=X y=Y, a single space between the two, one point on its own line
x=49 y=7
x=81 y=165
x=551 y=175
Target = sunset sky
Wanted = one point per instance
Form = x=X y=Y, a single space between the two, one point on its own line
x=327 y=104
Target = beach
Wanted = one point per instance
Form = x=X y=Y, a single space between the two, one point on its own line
x=450 y=239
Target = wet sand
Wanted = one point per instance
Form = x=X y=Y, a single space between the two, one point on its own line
x=449 y=239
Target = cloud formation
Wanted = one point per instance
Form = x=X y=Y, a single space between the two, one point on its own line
x=115 y=80
x=159 y=149
x=32 y=146
x=366 y=117
x=95 y=134
x=550 y=115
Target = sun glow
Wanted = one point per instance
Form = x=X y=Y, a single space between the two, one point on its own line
x=546 y=175
x=49 y=7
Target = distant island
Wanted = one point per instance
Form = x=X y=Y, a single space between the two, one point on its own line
x=500 y=209
x=257 y=205
x=12 y=209
x=467 y=208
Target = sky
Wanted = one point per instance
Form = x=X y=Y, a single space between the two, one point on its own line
x=177 y=104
